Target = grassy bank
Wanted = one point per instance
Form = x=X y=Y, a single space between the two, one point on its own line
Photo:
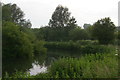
x=88 y=66
x=81 y=46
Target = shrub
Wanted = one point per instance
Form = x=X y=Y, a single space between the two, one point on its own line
x=80 y=46
x=16 y=43
x=87 y=42
x=96 y=49
x=39 y=47
x=89 y=66
x=78 y=34
x=17 y=74
x=104 y=31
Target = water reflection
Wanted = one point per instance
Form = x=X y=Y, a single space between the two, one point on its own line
x=11 y=66
x=37 y=69
x=39 y=64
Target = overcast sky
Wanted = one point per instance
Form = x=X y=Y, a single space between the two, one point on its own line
x=85 y=11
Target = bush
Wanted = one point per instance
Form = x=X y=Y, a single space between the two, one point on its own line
x=16 y=43
x=80 y=46
x=87 y=42
x=104 y=31
x=17 y=74
x=78 y=34
x=96 y=49
x=89 y=66
x=39 y=47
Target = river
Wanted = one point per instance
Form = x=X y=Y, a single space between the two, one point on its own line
x=39 y=64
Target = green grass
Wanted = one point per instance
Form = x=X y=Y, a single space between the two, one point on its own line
x=89 y=66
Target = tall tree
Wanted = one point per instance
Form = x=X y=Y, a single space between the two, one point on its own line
x=72 y=23
x=104 y=30
x=12 y=13
x=60 y=17
x=61 y=23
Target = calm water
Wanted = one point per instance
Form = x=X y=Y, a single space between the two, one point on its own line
x=37 y=65
x=36 y=68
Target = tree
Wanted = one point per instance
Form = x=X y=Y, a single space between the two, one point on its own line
x=25 y=23
x=104 y=30
x=16 y=43
x=60 y=17
x=61 y=23
x=118 y=35
x=39 y=33
x=78 y=34
x=12 y=13
x=39 y=48
x=70 y=26
x=89 y=30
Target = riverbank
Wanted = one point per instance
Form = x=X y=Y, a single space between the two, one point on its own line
x=88 y=66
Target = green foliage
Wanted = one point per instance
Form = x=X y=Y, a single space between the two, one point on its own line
x=23 y=75
x=16 y=75
x=31 y=36
x=89 y=66
x=39 y=33
x=20 y=42
x=96 y=49
x=52 y=34
x=60 y=17
x=80 y=46
x=89 y=30
x=60 y=24
x=15 y=43
x=39 y=48
x=119 y=35
x=104 y=30
x=12 y=13
x=43 y=75
x=87 y=42
x=78 y=34
x=71 y=24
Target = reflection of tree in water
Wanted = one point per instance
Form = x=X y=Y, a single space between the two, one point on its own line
x=54 y=54
x=39 y=59
x=10 y=66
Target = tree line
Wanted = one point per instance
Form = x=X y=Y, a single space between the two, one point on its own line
x=20 y=40
x=63 y=27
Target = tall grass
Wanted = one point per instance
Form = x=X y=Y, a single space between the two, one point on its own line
x=89 y=66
